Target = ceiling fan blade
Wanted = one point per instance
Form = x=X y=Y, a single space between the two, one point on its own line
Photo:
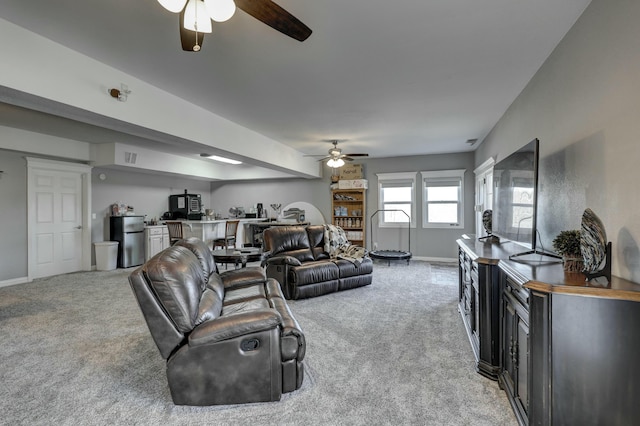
x=344 y=157
x=276 y=17
x=188 y=37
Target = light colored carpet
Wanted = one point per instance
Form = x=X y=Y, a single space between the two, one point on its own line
x=75 y=350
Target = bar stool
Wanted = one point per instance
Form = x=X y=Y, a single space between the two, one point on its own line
x=175 y=231
x=229 y=239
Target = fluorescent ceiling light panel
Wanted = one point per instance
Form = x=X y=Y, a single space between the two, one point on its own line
x=221 y=159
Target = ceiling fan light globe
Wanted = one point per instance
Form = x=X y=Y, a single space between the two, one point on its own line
x=196 y=17
x=335 y=163
x=174 y=6
x=220 y=10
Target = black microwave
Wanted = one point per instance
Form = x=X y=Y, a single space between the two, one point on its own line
x=186 y=206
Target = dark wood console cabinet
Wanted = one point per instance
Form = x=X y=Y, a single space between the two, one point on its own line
x=569 y=348
x=514 y=343
x=565 y=350
x=479 y=302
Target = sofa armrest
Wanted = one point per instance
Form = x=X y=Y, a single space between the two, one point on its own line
x=228 y=327
x=283 y=260
x=292 y=340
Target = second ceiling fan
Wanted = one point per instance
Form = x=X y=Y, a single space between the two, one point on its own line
x=336 y=158
x=196 y=16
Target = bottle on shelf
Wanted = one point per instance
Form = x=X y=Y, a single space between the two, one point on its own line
x=349 y=210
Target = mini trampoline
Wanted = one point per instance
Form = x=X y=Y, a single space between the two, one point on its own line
x=389 y=255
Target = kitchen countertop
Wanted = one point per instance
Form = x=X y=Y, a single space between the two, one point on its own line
x=242 y=219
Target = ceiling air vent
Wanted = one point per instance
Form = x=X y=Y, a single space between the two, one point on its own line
x=472 y=142
x=130 y=157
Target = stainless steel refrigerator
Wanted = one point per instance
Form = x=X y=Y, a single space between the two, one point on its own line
x=128 y=231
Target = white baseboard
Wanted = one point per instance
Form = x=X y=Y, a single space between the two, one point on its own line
x=427 y=259
x=14 y=281
x=436 y=259
x=23 y=280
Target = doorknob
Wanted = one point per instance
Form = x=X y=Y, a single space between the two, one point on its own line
x=79 y=227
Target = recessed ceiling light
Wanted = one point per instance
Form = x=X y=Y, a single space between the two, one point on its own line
x=221 y=159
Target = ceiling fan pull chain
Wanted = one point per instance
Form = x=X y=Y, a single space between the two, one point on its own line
x=196 y=47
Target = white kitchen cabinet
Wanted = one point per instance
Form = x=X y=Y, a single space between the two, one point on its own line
x=165 y=238
x=156 y=240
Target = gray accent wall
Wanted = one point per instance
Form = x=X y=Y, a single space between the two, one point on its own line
x=584 y=106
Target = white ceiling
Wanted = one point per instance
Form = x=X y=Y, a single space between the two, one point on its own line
x=393 y=78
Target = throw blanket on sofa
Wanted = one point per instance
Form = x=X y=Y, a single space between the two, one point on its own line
x=338 y=246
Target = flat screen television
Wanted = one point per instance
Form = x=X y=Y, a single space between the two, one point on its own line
x=515 y=196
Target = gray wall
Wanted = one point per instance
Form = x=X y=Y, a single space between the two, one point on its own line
x=584 y=106
x=147 y=193
x=13 y=215
x=287 y=191
x=430 y=242
x=433 y=243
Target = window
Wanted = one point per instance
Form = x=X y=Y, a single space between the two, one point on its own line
x=396 y=193
x=443 y=195
x=522 y=206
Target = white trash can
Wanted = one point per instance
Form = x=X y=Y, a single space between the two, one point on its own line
x=106 y=255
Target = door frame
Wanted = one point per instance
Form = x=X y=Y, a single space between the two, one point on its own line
x=60 y=166
x=484 y=181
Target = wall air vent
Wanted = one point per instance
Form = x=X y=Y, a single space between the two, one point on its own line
x=130 y=157
x=472 y=142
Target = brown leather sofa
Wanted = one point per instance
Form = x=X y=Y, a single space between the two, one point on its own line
x=228 y=338
x=297 y=260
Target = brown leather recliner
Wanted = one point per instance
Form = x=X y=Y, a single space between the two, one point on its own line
x=228 y=338
x=297 y=260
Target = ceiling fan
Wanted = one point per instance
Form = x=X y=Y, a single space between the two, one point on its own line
x=336 y=158
x=196 y=16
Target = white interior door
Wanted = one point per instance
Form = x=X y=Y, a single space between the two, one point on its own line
x=57 y=223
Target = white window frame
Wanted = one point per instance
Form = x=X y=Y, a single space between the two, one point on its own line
x=397 y=177
x=440 y=176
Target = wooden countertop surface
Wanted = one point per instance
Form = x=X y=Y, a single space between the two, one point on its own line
x=545 y=274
